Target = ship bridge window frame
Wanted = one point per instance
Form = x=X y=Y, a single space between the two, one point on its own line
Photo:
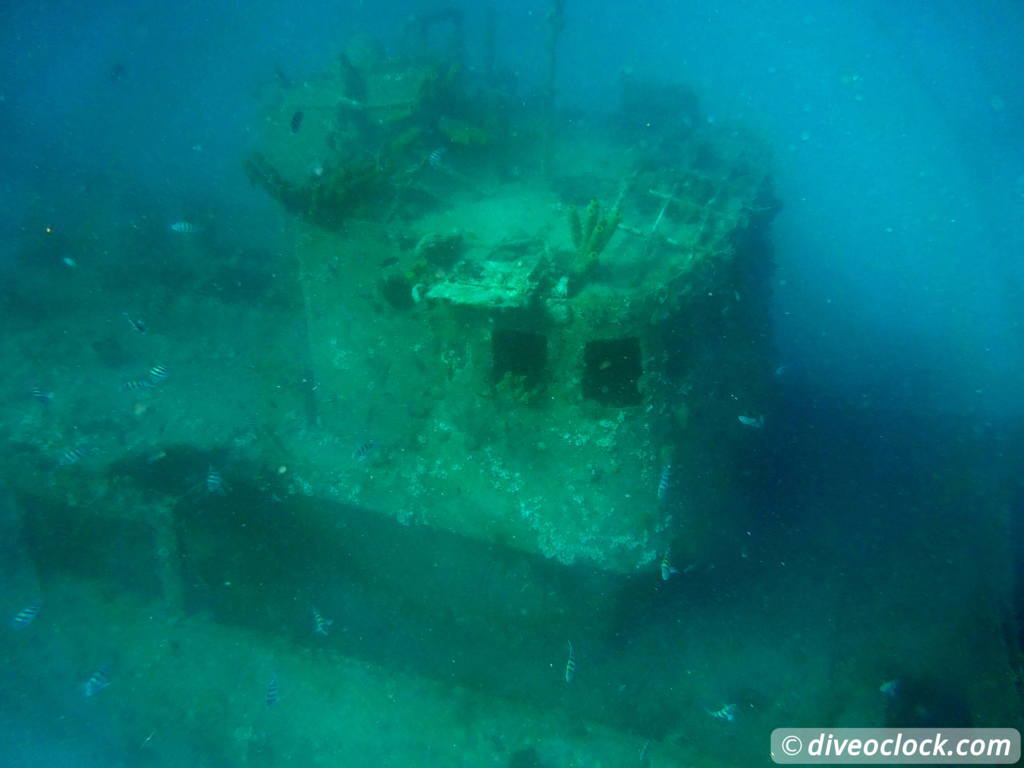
x=519 y=353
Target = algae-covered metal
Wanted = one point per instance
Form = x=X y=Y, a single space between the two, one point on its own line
x=529 y=346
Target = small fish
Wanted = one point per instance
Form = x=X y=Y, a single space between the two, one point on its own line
x=158 y=373
x=296 y=121
x=135 y=323
x=282 y=78
x=364 y=450
x=184 y=227
x=97 y=681
x=782 y=370
x=135 y=385
x=273 y=692
x=890 y=688
x=667 y=571
x=71 y=456
x=25 y=616
x=727 y=713
x=436 y=158
x=38 y=393
x=320 y=624
x=69 y=262
x=570 y=665
x=665 y=482
x=213 y=483
x=753 y=422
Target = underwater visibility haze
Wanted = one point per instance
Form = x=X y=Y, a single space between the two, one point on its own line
x=546 y=384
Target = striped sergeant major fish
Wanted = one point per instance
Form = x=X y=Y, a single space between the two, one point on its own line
x=41 y=395
x=665 y=481
x=210 y=484
x=136 y=385
x=183 y=227
x=97 y=681
x=25 y=616
x=158 y=373
x=362 y=452
x=213 y=483
x=273 y=692
x=320 y=624
x=727 y=712
x=570 y=665
x=71 y=456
